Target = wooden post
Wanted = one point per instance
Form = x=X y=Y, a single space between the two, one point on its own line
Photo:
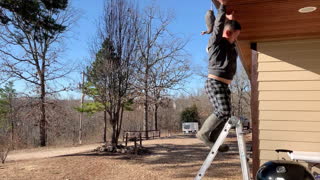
x=159 y=133
x=126 y=139
x=255 y=112
x=140 y=139
x=152 y=134
x=135 y=146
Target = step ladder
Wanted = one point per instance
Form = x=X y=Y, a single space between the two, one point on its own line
x=238 y=124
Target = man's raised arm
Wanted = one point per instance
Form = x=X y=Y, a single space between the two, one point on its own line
x=219 y=23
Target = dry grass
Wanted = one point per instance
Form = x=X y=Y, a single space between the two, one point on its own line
x=178 y=157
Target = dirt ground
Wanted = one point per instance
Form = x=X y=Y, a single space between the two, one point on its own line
x=46 y=152
x=177 y=157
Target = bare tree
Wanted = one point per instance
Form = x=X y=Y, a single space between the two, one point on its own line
x=240 y=88
x=30 y=37
x=115 y=58
x=166 y=77
x=201 y=70
x=155 y=46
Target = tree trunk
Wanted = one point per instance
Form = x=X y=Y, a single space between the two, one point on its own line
x=114 y=130
x=43 y=124
x=146 y=103
x=156 y=117
x=105 y=125
x=11 y=118
x=80 y=116
x=12 y=135
x=120 y=122
x=114 y=141
x=239 y=104
x=146 y=118
x=146 y=76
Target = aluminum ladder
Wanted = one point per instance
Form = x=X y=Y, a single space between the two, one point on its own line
x=238 y=124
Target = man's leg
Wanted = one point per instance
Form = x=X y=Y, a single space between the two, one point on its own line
x=208 y=126
x=219 y=95
x=210 y=131
x=215 y=134
x=212 y=121
x=222 y=101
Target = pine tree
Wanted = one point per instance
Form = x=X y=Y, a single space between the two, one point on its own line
x=30 y=33
x=102 y=80
x=190 y=114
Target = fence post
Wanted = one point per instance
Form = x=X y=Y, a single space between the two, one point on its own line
x=140 y=139
x=126 y=139
x=123 y=136
x=135 y=146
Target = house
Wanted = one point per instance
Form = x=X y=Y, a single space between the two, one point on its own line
x=279 y=47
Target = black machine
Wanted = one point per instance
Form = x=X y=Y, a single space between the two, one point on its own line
x=283 y=170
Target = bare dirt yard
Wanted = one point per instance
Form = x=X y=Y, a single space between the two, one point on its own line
x=176 y=157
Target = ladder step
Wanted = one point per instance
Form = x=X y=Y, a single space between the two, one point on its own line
x=241 y=144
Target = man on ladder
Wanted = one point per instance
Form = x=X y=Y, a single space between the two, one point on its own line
x=222 y=67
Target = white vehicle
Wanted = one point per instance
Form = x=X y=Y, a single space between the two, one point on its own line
x=190 y=127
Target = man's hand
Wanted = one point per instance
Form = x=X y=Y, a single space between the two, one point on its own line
x=230 y=16
x=223 y=2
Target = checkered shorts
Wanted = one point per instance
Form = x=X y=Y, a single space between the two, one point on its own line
x=219 y=95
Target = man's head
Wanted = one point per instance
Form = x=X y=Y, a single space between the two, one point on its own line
x=231 y=30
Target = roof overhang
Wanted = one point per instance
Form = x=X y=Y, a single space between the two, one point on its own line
x=268 y=20
x=272 y=20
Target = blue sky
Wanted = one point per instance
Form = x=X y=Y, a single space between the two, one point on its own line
x=188 y=23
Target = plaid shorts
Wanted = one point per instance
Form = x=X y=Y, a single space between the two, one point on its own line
x=219 y=95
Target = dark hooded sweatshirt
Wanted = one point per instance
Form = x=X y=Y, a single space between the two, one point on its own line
x=222 y=54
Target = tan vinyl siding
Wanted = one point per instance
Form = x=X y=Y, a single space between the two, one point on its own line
x=290 y=86
x=294 y=126
x=292 y=136
x=289 y=97
x=290 y=105
x=288 y=76
x=271 y=145
x=301 y=116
